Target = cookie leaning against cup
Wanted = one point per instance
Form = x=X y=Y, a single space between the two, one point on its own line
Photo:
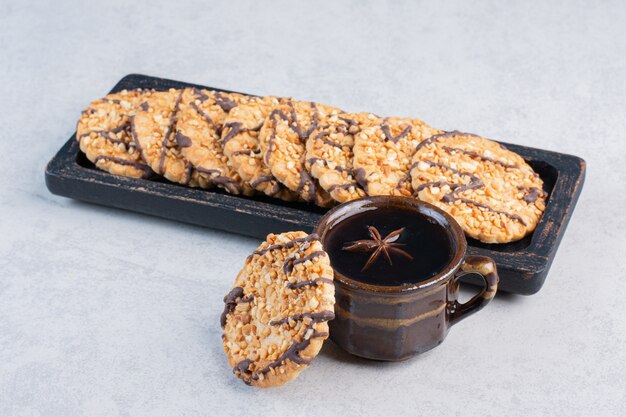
x=198 y=130
x=492 y=192
x=283 y=138
x=104 y=134
x=329 y=154
x=382 y=155
x=275 y=317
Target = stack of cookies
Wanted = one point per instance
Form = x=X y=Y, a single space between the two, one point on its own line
x=313 y=153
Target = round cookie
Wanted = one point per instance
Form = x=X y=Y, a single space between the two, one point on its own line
x=240 y=142
x=283 y=145
x=154 y=135
x=104 y=134
x=198 y=128
x=329 y=154
x=382 y=155
x=275 y=317
x=492 y=192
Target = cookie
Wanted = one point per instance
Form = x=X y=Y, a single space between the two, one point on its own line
x=283 y=145
x=198 y=136
x=329 y=154
x=154 y=134
x=275 y=317
x=492 y=192
x=240 y=142
x=382 y=155
x=104 y=134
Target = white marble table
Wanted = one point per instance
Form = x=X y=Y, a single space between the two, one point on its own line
x=110 y=313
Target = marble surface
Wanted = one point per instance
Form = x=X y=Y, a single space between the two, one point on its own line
x=110 y=313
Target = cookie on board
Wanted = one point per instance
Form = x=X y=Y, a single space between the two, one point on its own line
x=198 y=132
x=154 y=134
x=104 y=134
x=329 y=154
x=283 y=145
x=240 y=143
x=492 y=192
x=382 y=155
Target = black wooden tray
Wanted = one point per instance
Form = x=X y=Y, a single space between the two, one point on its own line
x=523 y=265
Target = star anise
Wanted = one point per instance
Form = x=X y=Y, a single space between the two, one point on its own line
x=378 y=245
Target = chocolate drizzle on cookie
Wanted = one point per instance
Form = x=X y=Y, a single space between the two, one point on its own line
x=306 y=181
x=148 y=172
x=308 y=283
x=235 y=128
x=228 y=183
x=258 y=181
x=207 y=118
x=183 y=141
x=290 y=263
x=361 y=178
x=532 y=194
x=404 y=182
x=456 y=189
x=479 y=156
x=225 y=102
x=201 y=96
x=234 y=297
x=491 y=209
x=216 y=177
x=133 y=134
x=292 y=353
x=168 y=133
x=188 y=173
x=439 y=136
x=242 y=367
x=317 y=317
x=208 y=171
x=230 y=302
x=107 y=133
x=244 y=152
x=389 y=136
x=287 y=245
x=346 y=186
x=323 y=136
x=294 y=123
x=338 y=168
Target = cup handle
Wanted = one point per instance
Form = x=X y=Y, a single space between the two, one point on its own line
x=486 y=267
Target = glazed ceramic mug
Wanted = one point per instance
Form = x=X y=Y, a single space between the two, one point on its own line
x=393 y=323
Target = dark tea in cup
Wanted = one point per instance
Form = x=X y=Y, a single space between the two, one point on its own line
x=389 y=246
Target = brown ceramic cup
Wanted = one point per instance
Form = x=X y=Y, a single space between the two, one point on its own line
x=393 y=323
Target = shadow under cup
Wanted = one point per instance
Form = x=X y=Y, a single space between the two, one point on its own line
x=395 y=322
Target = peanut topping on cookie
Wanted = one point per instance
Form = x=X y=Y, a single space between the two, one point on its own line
x=275 y=317
x=492 y=192
x=198 y=129
x=382 y=155
x=329 y=154
x=104 y=134
x=283 y=145
x=240 y=141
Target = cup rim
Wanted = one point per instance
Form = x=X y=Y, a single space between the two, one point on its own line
x=452 y=227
